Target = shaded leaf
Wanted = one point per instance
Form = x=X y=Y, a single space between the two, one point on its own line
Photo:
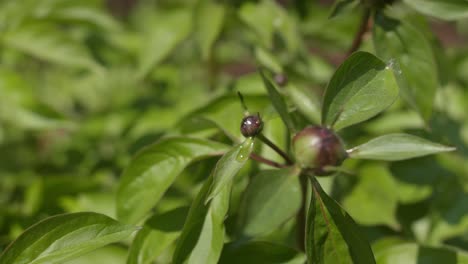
x=397 y=147
x=259 y=252
x=351 y=95
x=305 y=101
x=272 y=197
x=154 y=169
x=332 y=236
x=278 y=101
x=160 y=231
x=415 y=67
x=229 y=165
x=63 y=237
x=443 y=9
x=343 y=6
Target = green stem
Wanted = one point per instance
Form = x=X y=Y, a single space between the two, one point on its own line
x=275 y=148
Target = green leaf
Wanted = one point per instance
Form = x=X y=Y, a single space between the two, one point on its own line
x=229 y=165
x=379 y=190
x=413 y=58
x=48 y=43
x=160 y=231
x=267 y=18
x=115 y=254
x=443 y=9
x=332 y=236
x=260 y=252
x=305 y=101
x=351 y=95
x=410 y=253
x=154 y=169
x=202 y=237
x=166 y=32
x=272 y=197
x=343 y=6
x=209 y=22
x=278 y=101
x=266 y=59
x=63 y=237
x=397 y=146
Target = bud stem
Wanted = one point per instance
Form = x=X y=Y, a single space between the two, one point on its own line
x=275 y=148
x=266 y=161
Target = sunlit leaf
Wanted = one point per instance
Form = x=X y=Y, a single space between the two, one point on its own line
x=443 y=9
x=332 y=236
x=351 y=95
x=415 y=67
x=209 y=22
x=166 y=32
x=63 y=237
x=202 y=237
x=397 y=147
x=154 y=169
x=48 y=43
x=160 y=231
x=229 y=165
x=410 y=253
x=272 y=197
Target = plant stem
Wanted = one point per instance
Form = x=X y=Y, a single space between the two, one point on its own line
x=266 y=161
x=363 y=28
x=301 y=214
x=275 y=148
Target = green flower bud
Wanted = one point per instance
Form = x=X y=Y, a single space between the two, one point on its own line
x=317 y=147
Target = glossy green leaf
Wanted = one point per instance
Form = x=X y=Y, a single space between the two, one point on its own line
x=45 y=42
x=379 y=190
x=443 y=9
x=397 y=147
x=159 y=232
x=260 y=252
x=63 y=237
x=351 y=95
x=209 y=22
x=202 y=237
x=272 y=197
x=332 y=236
x=165 y=33
x=410 y=253
x=154 y=169
x=413 y=58
x=229 y=165
x=278 y=101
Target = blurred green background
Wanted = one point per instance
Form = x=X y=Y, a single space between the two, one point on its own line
x=84 y=84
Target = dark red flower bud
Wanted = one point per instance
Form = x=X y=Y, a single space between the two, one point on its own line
x=251 y=125
x=317 y=147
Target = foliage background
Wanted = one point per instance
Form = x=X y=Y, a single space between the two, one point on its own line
x=85 y=84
